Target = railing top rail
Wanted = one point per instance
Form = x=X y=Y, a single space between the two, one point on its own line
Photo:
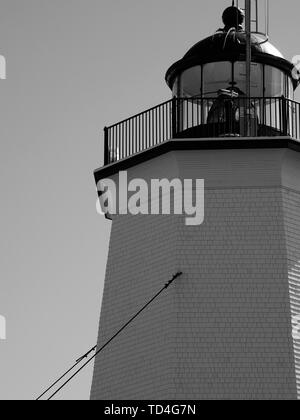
x=140 y=113
x=213 y=98
x=194 y=99
x=293 y=101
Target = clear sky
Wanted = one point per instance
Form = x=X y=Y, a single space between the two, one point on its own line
x=74 y=66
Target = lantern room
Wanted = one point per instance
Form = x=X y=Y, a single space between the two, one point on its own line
x=219 y=62
x=234 y=83
x=213 y=87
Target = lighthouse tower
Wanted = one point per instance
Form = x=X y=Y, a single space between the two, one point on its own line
x=228 y=327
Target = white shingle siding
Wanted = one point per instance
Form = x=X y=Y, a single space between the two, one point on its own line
x=223 y=330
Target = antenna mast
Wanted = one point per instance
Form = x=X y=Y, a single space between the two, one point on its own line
x=248 y=64
x=248 y=47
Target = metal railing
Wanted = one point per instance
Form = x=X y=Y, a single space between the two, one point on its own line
x=202 y=118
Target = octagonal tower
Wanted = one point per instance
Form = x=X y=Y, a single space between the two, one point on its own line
x=227 y=329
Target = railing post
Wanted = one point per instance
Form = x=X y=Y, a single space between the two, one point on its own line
x=174 y=117
x=106 y=147
x=284 y=115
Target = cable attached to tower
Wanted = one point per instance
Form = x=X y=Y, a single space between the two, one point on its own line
x=166 y=286
x=85 y=356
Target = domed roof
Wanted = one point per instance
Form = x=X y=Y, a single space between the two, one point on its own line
x=232 y=42
x=229 y=44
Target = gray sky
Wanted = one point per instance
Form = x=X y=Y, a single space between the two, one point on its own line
x=74 y=66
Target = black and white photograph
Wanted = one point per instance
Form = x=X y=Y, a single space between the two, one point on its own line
x=150 y=203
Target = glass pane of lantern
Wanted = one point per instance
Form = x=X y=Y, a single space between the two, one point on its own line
x=191 y=82
x=274 y=82
x=256 y=78
x=216 y=76
x=176 y=87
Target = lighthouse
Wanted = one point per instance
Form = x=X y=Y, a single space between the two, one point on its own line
x=228 y=328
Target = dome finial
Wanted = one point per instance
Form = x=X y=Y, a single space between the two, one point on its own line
x=233 y=17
